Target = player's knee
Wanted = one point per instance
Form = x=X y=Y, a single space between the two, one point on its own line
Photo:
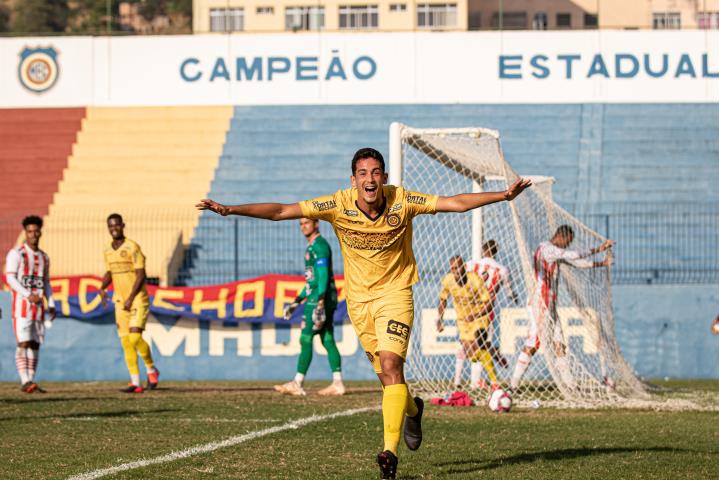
x=306 y=340
x=560 y=349
x=134 y=338
x=328 y=342
x=530 y=351
x=392 y=367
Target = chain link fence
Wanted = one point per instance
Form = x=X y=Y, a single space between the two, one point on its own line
x=655 y=244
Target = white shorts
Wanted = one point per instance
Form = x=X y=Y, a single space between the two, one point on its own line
x=539 y=317
x=28 y=330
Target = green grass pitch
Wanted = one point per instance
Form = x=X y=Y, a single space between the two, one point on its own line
x=78 y=428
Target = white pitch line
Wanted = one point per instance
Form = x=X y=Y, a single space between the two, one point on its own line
x=210 y=447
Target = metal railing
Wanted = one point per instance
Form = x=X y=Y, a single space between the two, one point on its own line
x=655 y=244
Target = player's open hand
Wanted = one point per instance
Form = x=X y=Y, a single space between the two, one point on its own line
x=516 y=188
x=606 y=245
x=128 y=304
x=609 y=260
x=52 y=312
x=211 y=205
x=440 y=325
x=715 y=326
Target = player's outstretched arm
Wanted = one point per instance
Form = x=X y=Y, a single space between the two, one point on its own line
x=468 y=201
x=267 y=211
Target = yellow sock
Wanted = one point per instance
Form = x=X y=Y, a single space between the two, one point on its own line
x=142 y=348
x=130 y=356
x=394 y=406
x=486 y=358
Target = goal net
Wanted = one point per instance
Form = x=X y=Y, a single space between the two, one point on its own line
x=579 y=361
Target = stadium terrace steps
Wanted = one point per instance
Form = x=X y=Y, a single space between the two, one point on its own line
x=35 y=146
x=150 y=164
x=267 y=146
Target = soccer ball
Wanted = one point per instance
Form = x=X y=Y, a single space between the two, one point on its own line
x=500 y=401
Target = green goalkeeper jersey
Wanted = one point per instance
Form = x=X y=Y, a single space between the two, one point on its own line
x=319 y=279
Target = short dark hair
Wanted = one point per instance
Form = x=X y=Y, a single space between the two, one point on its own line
x=490 y=246
x=565 y=231
x=366 y=152
x=32 y=220
x=116 y=216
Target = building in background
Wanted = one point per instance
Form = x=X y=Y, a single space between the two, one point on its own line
x=451 y=15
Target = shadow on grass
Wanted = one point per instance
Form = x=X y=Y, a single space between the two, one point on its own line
x=112 y=414
x=478 y=465
x=40 y=398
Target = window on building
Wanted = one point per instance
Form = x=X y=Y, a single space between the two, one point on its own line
x=540 y=21
x=564 y=20
x=304 y=18
x=510 y=20
x=397 y=7
x=265 y=10
x=666 y=20
x=474 y=22
x=591 y=21
x=227 y=19
x=359 y=16
x=708 y=20
x=436 y=15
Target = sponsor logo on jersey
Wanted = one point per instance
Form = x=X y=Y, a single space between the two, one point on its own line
x=398 y=329
x=396 y=207
x=393 y=220
x=416 y=199
x=123 y=253
x=32 y=281
x=351 y=213
x=368 y=240
x=370 y=357
x=322 y=206
x=38 y=69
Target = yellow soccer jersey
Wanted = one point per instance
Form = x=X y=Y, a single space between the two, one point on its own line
x=122 y=263
x=469 y=299
x=377 y=253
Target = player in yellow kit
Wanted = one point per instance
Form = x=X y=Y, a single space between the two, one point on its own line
x=125 y=269
x=472 y=304
x=373 y=223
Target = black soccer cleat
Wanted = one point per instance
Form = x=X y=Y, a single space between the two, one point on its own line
x=387 y=462
x=413 y=427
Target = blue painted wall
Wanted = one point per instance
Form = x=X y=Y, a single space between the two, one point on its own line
x=663 y=331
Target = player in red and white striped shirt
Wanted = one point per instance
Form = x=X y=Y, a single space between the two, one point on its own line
x=495 y=276
x=27 y=272
x=542 y=306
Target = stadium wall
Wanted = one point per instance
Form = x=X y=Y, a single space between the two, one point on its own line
x=659 y=336
x=354 y=68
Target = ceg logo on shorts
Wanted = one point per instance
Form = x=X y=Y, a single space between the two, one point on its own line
x=398 y=329
x=38 y=69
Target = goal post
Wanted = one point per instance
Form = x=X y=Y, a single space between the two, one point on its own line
x=579 y=361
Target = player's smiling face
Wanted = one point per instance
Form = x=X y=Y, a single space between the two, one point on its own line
x=369 y=178
x=116 y=229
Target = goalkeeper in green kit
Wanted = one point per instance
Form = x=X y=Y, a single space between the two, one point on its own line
x=320 y=297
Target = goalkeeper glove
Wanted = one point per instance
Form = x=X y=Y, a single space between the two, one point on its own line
x=290 y=309
x=318 y=318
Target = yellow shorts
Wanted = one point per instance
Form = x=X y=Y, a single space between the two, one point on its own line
x=136 y=317
x=383 y=324
x=468 y=330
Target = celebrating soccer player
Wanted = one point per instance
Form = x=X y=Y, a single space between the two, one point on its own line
x=320 y=297
x=373 y=222
x=125 y=270
x=27 y=272
x=472 y=302
x=542 y=305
